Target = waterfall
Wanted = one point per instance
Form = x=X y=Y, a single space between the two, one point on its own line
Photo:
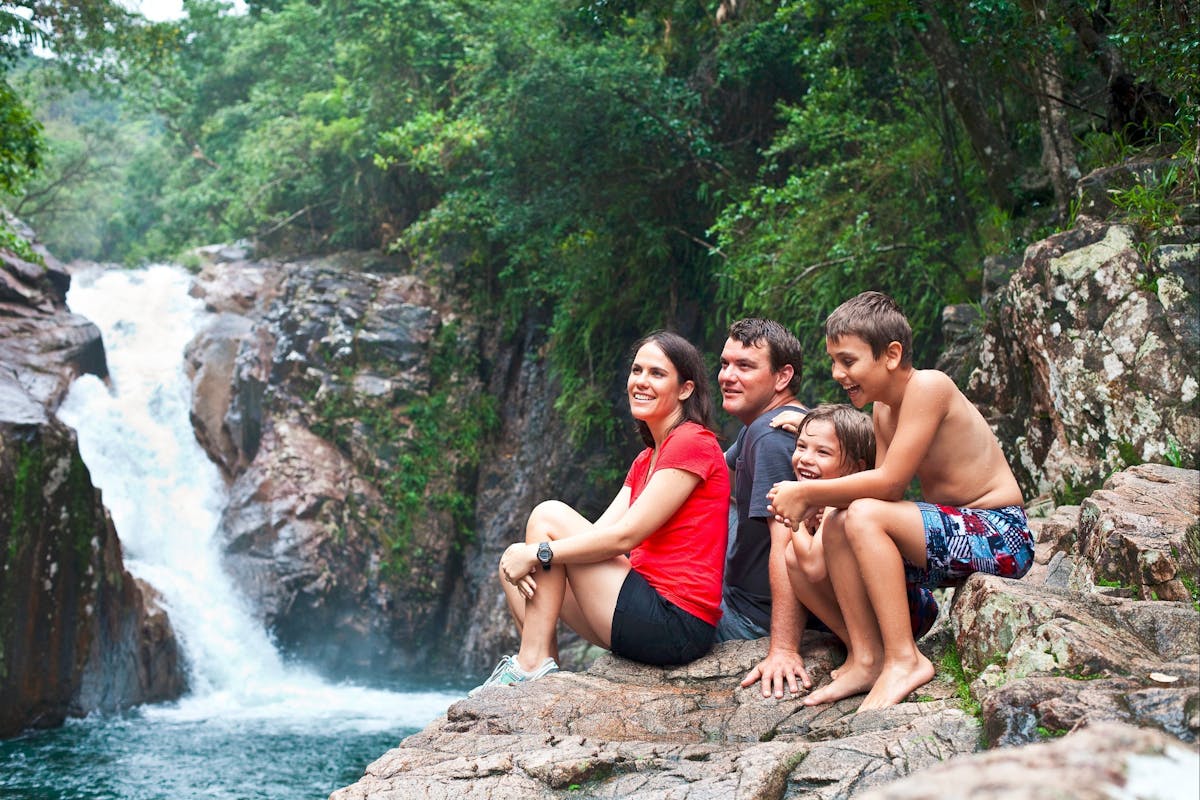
x=165 y=497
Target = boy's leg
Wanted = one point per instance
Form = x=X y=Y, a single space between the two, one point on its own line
x=882 y=535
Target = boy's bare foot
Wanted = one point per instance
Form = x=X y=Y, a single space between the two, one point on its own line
x=897 y=681
x=851 y=679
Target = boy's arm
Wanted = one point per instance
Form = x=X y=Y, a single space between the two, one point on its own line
x=783 y=664
x=925 y=405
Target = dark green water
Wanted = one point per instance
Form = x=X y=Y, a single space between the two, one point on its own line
x=151 y=755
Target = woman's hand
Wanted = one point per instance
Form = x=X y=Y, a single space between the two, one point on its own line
x=518 y=565
x=789 y=505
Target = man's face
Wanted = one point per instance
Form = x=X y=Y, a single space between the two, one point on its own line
x=748 y=385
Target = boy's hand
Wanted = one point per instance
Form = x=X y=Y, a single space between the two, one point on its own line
x=788 y=420
x=788 y=504
x=778 y=668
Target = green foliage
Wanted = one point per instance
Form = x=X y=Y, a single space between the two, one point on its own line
x=589 y=172
x=15 y=243
x=1051 y=733
x=422 y=449
x=20 y=140
x=952 y=663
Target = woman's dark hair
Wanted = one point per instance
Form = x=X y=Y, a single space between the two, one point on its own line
x=690 y=365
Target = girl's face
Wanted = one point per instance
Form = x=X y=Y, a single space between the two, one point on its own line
x=655 y=393
x=818 y=453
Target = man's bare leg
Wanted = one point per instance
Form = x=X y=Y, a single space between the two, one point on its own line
x=877 y=531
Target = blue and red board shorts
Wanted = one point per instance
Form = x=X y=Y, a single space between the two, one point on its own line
x=959 y=541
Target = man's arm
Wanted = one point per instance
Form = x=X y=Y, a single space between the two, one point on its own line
x=783 y=664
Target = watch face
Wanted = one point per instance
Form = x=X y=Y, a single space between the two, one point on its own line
x=544 y=554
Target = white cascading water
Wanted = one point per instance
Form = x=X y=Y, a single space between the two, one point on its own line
x=165 y=498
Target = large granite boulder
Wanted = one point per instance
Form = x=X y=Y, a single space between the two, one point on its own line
x=623 y=730
x=1089 y=357
x=1019 y=663
x=77 y=632
x=1100 y=762
x=382 y=450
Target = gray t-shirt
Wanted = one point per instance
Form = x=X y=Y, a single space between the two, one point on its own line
x=760 y=457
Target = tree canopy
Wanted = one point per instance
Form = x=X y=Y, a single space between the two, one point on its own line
x=601 y=168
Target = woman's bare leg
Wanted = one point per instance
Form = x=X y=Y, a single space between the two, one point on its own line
x=584 y=596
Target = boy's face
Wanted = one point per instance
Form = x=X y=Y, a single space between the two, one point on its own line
x=856 y=369
x=818 y=452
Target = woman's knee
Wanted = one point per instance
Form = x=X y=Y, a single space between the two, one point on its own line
x=544 y=519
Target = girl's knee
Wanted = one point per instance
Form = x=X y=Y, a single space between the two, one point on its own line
x=813 y=568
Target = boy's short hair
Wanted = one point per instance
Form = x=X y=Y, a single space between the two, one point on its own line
x=876 y=319
x=854 y=430
x=782 y=346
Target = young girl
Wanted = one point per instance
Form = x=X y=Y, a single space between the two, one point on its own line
x=660 y=604
x=833 y=441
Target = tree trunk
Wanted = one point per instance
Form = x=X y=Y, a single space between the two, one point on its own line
x=1058 y=145
x=997 y=159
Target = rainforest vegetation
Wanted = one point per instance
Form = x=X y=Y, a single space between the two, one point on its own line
x=601 y=168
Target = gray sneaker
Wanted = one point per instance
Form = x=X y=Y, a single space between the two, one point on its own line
x=508 y=672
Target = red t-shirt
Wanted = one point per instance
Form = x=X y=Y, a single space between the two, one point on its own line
x=684 y=560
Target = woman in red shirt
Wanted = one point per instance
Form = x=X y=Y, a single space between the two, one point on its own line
x=660 y=603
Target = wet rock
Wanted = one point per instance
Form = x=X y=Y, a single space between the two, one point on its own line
x=77 y=632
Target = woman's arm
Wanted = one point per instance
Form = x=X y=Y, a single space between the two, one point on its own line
x=616 y=509
x=662 y=497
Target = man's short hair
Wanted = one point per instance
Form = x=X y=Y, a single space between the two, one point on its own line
x=782 y=346
x=876 y=319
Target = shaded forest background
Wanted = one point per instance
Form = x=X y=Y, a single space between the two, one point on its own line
x=602 y=167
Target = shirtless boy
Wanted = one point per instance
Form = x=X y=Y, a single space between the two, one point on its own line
x=971 y=518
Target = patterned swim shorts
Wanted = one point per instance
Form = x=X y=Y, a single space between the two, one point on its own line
x=959 y=541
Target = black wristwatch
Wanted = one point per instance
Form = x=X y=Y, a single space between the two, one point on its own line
x=545 y=554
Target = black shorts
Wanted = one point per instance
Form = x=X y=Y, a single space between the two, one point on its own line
x=649 y=629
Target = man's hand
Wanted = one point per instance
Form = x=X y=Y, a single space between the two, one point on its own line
x=779 y=668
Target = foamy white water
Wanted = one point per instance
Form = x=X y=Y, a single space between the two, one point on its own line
x=165 y=497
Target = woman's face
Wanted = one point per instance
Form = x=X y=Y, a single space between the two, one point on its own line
x=655 y=393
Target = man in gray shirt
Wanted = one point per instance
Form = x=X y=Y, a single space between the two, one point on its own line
x=761 y=365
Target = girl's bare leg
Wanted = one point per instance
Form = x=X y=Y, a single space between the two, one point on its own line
x=862 y=640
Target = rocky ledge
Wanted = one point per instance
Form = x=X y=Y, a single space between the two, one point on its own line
x=1072 y=689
